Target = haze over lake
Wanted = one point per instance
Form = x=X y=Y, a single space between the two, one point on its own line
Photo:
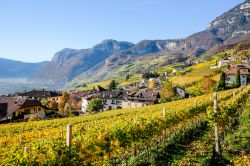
x=12 y=85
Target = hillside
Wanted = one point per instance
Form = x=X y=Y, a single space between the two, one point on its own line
x=140 y=136
x=97 y=64
x=190 y=72
x=69 y=63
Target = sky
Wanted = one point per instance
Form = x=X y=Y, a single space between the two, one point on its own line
x=34 y=30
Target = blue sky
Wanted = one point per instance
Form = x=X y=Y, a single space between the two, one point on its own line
x=33 y=30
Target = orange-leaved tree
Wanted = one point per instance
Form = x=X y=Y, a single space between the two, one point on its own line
x=61 y=104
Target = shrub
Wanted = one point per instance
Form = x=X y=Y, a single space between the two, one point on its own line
x=95 y=105
x=33 y=118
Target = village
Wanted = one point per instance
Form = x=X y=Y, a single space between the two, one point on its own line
x=152 y=88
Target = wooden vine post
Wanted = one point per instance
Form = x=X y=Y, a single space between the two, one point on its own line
x=135 y=119
x=69 y=135
x=61 y=134
x=164 y=112
x=216 y=135
x=25 y=149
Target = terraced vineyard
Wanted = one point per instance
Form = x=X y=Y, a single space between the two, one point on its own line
x=121 y=137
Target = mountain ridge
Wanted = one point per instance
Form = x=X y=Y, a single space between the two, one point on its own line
x=68 y=63
x=18 y=69
x=230 y=27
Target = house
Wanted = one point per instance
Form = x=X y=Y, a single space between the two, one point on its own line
x=86 y=99
x=244 y=71
x=223 y=62
x=13 y=108
x=233 y=57
x=246 y=60
x=41 y=94
x=214 y=67
x=140 y=98
x=122 y=99
x=181 y=92
x=174 y=70
x=98 y=88
x=111 y=100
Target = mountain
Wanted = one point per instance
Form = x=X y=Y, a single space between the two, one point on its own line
x=18 y=69
x=69 y=63
x=105 y=59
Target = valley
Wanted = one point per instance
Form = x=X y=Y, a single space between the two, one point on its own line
x=154 y=102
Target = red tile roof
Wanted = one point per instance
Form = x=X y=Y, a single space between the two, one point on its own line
x=239 y=66
x=233 y=71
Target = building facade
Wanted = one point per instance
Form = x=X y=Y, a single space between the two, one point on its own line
x=122 y=99
x=244 y=71
x=12 y=108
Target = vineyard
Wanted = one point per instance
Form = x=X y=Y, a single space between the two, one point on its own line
x=176 y=133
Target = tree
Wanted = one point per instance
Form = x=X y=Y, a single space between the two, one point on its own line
x=53 y=110
x=95 y=105
x=151 y=84
x=44 y=102
x=207 y=85
x=113 y=85
x=148 y=75
x=52 y=105
x=127 y=76
x=167 y=91
x=237 y=79
x=222 y=84
x=61 y=104
x=69 y=110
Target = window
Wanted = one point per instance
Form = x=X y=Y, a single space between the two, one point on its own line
x=104 y=101
x=113 y=102
x=27 y=111
x=118 y=102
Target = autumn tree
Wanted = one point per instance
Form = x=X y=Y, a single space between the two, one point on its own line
x=69 y=110
x=53 y=109
x=167 y=91
x=44 y=102
x=151 y=84
x=61 y=104
x=52 y=105
x=207 y=85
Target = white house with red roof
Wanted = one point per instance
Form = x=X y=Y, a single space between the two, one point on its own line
x=244 y=74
